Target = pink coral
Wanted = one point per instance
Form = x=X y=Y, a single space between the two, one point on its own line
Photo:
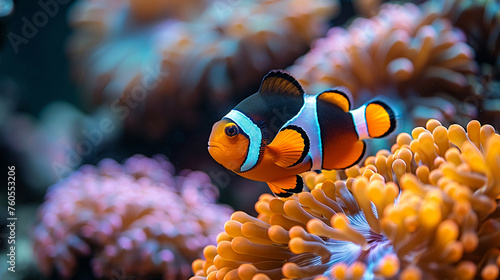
x=136 y=217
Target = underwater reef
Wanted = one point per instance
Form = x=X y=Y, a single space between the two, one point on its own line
x=6 y=8
x=416 y=54
x=85 y=84
x=157 y=62
x=137 y=218
x=427 y=209
x=56 y=142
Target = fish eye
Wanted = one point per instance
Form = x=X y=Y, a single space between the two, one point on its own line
x=231 y=130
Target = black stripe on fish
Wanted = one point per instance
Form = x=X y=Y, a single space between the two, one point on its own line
x=272 y=110
x=337 y=129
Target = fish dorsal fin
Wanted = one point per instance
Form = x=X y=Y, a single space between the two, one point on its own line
x=287 y=186
x=280 y=82
x=290 y=146
x=339 y=96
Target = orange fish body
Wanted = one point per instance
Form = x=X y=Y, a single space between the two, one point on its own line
x=280 y=132
x=269 y=171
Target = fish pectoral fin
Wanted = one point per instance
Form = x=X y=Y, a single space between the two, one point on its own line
x=339 y=96
x=287 y=187
x=290 y=146
x=280 y=82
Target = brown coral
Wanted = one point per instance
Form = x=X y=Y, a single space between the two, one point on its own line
x=405 y=50
x=136 y=218
x=480 y=21
x=156 y=72
x=426 y=210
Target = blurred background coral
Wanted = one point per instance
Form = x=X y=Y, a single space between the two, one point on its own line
x=106 y=107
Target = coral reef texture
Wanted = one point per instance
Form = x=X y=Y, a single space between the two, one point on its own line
x=135 y=218
x=480 y=22
x=155 y=62
x=409 y=52
x=427 y=209
x=52 y=145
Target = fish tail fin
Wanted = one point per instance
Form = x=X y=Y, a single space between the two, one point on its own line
x=375 y=119
x=380 y=119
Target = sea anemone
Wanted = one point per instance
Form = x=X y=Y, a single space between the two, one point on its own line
x=480 y=22
x=155 y=63
x=426 y=210
x=406 y=51
x=136 y=218
x=366 y=7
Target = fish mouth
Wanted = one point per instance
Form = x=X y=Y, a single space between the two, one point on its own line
x=214 y=145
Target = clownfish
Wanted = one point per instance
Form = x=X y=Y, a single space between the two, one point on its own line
x=280 y=132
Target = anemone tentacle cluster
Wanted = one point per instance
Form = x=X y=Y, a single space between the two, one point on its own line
x=406 y=51
x=166 y=57
x=427 y=209
x=478 y=19
x=480 y=22
x=137 y=217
